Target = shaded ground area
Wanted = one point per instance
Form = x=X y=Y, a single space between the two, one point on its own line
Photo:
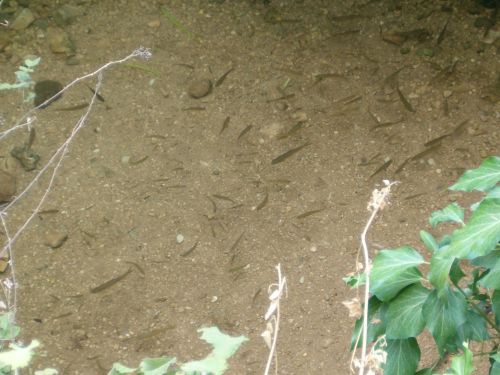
x=201 y=198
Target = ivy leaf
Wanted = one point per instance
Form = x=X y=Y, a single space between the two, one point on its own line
x=453 y=212
x=119 y=369
x=495 y=364
x=461 y=364
x=480 y=235
x=376 y=322
x=404 y=314
x=483 y=178
x=492 y=278
x=156 y=366
x=18 y=357
x=216 y=362
x=355 y=280
x=456 y=272
x=393 y=270
x=402 y=357
x=32 y=63
x=493 y=193
x=495 y=305
x=444 y=311
x=8 y=330
x=474 y=328
x=429 y=241
x=439 y=270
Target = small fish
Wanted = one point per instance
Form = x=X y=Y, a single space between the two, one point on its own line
x=413 y=196
x=287 y=154
x=221 y=79
x=244 y=131
x=322 y=76
x=405 y=102
x=235 y=244
x=280 y=98
x=423 y=153
x=262 y=204
x=292 y=130
x=441 y=34
x=110 y=282
x=190 y=250
x=383 y=167
x=194 y=109
x=308 y=213
x=387 y=123
x=225 y=124
x=224 y=198
x=97 y=95
x=434 y=141
x=401 y=166
x=139 y=161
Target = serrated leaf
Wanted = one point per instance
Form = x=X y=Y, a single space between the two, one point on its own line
x=429 y=241
x=393 y=270
x=482 y=178
x=376 y=322
x=404 y=314
x=224 y=347
x=444 y=312
x=480 y=235
x=440 y=269
x=156 y=366
x=453 y=212
x=402 y=357
x=461 y=364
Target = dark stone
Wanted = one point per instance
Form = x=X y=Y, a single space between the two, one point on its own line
x=45 y=90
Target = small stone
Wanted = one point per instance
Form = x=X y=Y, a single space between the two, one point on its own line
x=125 y=159
x=23 y=19
x=67 y=14
x=300 y=116
x=7 y=186
x=447 y=93
x=429 y=52
x=72 y=60
x=26 y=156
x=431 y=162
x=179 y=238
x=59 y=41
x=54 y=239
x=200 y=88
x=154 y=24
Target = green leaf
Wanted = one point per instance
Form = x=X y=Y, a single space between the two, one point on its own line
x=119 y=369
x=18 y=357
x=495 y=306
x=461 y=364
x=456 y=272
x=440 y=269
x=402 y=357
x=8 y=330
x=216 y=362
x=482 y=178
x=23 y=76
x=355 y=281
x=495 y=364
x=444 y=311
x=393 y=270
x=453 y=212
x=32 y=63
x=474 y=328
x=156 y=366
x=404 y=314
x=376 y=322
x=429 y=241
x=492 y=278
x=480 y=235
x=425 y=371
x=493 y=193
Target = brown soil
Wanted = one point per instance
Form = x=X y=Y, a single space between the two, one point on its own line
x=153 y=163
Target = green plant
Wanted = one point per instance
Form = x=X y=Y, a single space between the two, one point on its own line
x=215 y=363
x=459 y=299
x=23 y=79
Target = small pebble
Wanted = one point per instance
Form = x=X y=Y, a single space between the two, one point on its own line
x=125 y=159
x=179 y=238
x=200 y=88
x=55 y=238
x=154 y=24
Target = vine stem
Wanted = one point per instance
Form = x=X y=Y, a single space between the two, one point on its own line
x=376 y=204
